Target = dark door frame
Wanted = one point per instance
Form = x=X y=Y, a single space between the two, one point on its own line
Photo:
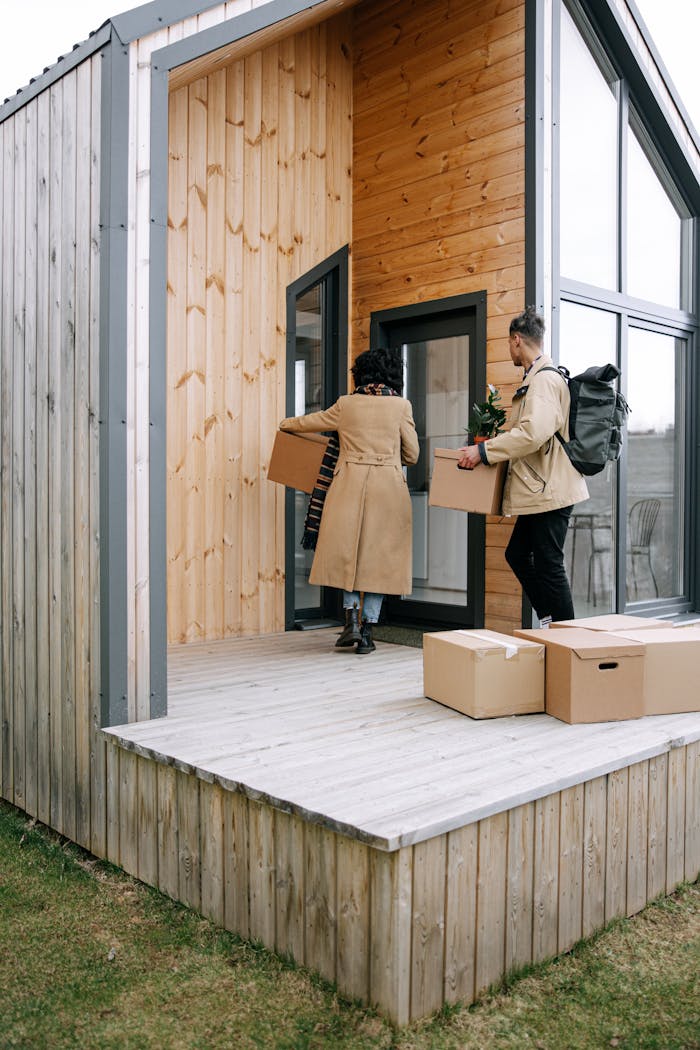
x=433 y=319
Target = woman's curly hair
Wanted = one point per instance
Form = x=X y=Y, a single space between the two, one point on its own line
x=379 y=365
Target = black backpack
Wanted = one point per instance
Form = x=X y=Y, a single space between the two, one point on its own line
x=598 y=414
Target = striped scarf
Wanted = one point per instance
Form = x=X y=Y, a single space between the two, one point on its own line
x=312 y=522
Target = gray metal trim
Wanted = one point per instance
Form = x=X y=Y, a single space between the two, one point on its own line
x=140 y=21
x=618 y=301
x=554 y=331
x=534 y=178
x=183 y=51
x=113 y=316
x=80 y=52
x=534 y=152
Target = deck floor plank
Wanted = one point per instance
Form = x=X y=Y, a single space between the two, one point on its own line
x=354 y=746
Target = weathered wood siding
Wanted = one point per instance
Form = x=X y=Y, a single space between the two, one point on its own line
x=438 y=201
x=424 y=925
x=49 y=446
x=260 y=192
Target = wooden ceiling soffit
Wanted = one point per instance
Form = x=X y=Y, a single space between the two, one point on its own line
x=229 y=53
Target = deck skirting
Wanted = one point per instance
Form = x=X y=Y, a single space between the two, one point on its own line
x=432 y=923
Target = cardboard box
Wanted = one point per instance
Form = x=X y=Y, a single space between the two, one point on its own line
x=613 y=624
x=483 y=674
x=296 y=459
x=479 y=491
x=591 y=676
x=672 y=679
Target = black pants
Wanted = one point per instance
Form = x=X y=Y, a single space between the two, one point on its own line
x=536 y=556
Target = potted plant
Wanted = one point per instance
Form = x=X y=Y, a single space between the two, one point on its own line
x=487 y=418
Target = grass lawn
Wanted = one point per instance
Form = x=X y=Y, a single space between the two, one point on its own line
x=91 y=958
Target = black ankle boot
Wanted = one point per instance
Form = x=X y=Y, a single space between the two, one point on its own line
x=365 y=644
x=351 y=632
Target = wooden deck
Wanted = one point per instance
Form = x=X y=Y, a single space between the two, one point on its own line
x=318 y=801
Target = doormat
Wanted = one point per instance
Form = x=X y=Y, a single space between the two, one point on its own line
x=412 y=636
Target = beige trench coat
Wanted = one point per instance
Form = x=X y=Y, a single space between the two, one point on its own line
x=541 y=476
x=365 y=539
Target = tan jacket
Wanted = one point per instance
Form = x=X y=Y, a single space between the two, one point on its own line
x=365 y=540
x=541 y=476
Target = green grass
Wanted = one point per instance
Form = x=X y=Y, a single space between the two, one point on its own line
x=91 y=958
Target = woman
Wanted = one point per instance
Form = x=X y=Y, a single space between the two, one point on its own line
x=365 y=537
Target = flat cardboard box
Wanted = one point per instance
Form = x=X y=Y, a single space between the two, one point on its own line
x=483 y=674
x=672 y=680
x=296 y=459
x=591 y=676
x=612 y=624
x=479 y=491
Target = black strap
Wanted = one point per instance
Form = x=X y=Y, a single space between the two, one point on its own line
x=565 y=374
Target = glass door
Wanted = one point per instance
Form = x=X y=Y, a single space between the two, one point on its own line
x=441 y=361
x=316 y=360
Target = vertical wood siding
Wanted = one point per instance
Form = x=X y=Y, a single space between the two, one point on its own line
x=49 y=447
x=138 y=350
x=256 y=199
x=428 y=924
x=438 y=201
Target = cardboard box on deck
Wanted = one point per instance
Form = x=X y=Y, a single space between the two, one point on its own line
x=591 y=676
x=296 y=459
x=672 y=677
x=479 y=491
x=483 y=674
x=612 y=624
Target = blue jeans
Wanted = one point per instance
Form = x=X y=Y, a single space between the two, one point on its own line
x=371 y=608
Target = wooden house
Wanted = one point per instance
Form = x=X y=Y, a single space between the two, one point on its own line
x=208 y=209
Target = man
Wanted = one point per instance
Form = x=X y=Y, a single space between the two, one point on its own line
x=542 y=485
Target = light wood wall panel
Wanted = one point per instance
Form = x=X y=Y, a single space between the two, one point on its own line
x=49 y=452
x=424 y=925
x=256 y=199
x=438 y=193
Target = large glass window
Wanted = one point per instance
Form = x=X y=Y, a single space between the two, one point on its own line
x=624 y=283
x=653 y=232
x=588 y=161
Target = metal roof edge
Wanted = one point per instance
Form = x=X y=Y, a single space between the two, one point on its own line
x=665 y=75
x=232 y=29
x=147 y=18
x=607 y=21
x=65 y=64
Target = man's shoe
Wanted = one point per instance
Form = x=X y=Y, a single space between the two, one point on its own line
x=351 y=632
x=365 y=644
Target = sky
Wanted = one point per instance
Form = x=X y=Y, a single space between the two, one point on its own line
x=41 y=30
